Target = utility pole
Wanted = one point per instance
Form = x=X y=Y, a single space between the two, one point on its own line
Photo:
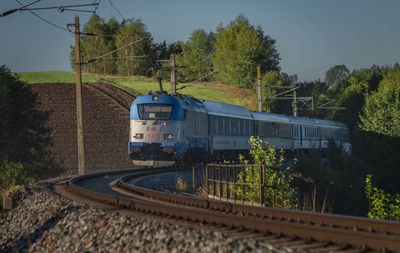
x=173 y=75
x=259 y=89
x=79 y=114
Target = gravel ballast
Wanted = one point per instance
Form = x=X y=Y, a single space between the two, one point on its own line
x=44 y=221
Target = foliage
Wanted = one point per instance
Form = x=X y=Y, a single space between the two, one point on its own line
x=196 y=56
x=336 y=177
x=12 y=174
x=276 y=78
x=382 y=205
x=24 y=136
x=278 y=191
x=128 y=61
x=351 y=93
x=381 y=112
x=130 y=31
x=379 y=155
x=239 y=49
x=335 y=75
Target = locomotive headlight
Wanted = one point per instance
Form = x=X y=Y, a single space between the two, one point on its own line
x=139 y=136
x=168 y=136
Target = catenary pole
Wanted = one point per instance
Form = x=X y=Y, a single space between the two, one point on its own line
x=79 y=114
x=173 y=75
x=259 y=89
x=294 y=104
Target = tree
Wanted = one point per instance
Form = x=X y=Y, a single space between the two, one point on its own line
x=335 y=75
x=132 y=30
x=196 y=55
x=381 y=112
x=276 y=78
x=239 y=49
x=351 y=94
x=94 y=46
x=24 y=136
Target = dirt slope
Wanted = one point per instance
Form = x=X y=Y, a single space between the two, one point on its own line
x=106 y=125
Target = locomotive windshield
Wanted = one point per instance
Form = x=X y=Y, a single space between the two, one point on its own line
x=154 y=111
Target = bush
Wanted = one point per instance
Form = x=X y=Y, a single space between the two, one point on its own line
x=381 y=205
x=278 y=190
x=12 y=174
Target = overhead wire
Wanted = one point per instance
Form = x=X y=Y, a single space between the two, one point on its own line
x=68 y=30
x=116 y=9
x=97 y=6
x=45 y=20
x=106 y=35
x=113 y=51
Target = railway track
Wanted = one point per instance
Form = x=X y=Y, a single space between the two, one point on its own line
x=120 y=96
x=300 y=230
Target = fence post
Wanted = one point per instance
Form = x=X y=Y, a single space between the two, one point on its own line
x=227 y=184
x=208 y=189
x=262 y=179
x=214 y=183
x=220 y=183
x=235 y=180
x=193 y=177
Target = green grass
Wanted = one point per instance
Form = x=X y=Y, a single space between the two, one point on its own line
x=50 y=77
x=138 y=85
x=142 y=85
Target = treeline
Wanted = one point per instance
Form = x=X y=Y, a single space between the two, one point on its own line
x=100 y=37
x=232 y=52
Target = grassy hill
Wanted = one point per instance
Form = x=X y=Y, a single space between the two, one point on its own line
x=138 y=85
x=50 y=77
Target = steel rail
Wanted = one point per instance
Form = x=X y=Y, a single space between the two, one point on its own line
x=362 y=233
x=331 y=220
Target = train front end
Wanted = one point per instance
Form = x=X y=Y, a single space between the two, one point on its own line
x=155 y=135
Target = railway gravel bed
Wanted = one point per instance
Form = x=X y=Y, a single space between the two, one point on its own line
x=44 y=221
x=105 y=119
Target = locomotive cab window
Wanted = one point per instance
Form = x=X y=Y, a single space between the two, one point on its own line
x=154 y=111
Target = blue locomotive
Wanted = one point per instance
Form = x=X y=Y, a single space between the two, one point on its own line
x=165 y=129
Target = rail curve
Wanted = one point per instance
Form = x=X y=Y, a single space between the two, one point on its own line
x=347 y=233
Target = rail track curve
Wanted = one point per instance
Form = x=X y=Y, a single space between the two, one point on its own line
x=310 y=230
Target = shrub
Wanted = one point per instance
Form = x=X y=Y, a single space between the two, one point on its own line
x=278 y=191
x=12 y=174
x=381 y=205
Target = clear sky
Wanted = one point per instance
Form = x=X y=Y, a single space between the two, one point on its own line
x=311 y=35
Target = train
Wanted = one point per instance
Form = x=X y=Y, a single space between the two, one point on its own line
x=167 y=129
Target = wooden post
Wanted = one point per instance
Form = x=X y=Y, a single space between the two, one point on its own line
x=259 y=96
x=79 y=114
x=208 y=188
x=193 y=177
x=228 y=194
x=262 y=182
x=173 y=75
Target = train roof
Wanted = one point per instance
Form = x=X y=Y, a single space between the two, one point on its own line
x=330 y=123
x=233 y=111
x=272 y=117
x=302 y=121
x=186 y=102
x=316 y=122
x=226 y=110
